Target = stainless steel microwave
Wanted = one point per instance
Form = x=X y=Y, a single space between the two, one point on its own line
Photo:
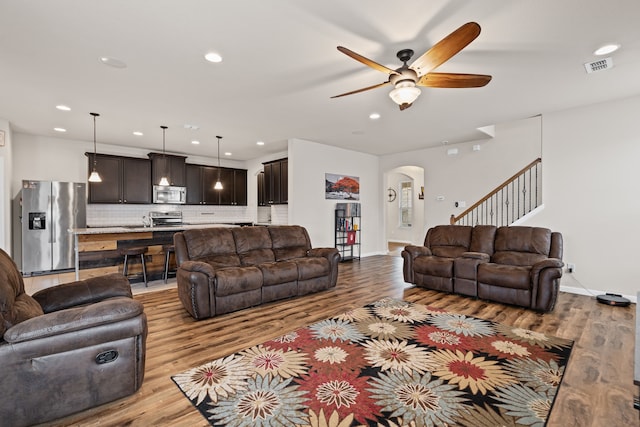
x=169 y=194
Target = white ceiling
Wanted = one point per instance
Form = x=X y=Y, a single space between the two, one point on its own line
x=280 y=67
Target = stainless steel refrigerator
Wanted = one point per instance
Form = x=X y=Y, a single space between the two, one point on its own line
x=44 y=211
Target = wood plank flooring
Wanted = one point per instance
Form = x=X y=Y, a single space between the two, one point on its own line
x=597 y=389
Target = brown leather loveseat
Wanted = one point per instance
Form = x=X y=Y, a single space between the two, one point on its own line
x=512 y=265
x=67 y=348
x=222 y=269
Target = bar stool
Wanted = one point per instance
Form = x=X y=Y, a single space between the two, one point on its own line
x=168 y=249
x=127 y=252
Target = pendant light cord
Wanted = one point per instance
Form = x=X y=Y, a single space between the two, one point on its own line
x=95 y=150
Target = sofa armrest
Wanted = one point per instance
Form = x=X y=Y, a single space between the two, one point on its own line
x=83 y=292
x=545 y=283
x=74 y=319
x=328 y=253
x=198 y=267
x=416 y=251
x=547 y=263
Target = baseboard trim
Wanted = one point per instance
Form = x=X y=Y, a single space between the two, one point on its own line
x=593 y=292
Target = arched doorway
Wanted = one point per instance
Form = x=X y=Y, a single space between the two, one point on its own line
x=404 y=206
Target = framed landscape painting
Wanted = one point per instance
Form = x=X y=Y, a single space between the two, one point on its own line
x=341 y=187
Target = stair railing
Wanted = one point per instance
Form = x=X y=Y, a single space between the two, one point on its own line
x=510 y=201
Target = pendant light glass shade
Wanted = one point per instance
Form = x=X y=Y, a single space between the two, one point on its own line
x=163 y=180
x=94 y=177
x=218 y=185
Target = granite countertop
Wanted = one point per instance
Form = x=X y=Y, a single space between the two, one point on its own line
x=141 y=229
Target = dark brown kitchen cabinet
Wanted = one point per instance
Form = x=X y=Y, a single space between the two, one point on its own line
x=276 y=182
x=201 y=179
x=124 y=179
x=169 y=165
x=262 y=200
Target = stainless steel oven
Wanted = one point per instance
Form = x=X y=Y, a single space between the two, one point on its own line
x=169 y=194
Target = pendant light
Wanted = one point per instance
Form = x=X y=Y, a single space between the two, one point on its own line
x=94 y=177
x=164 y=181
x=218 y=185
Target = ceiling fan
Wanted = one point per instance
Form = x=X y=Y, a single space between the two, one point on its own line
x=407 y=78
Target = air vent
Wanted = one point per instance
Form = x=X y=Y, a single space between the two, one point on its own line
x=600 y=65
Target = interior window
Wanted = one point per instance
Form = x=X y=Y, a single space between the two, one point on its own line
x=406 y=203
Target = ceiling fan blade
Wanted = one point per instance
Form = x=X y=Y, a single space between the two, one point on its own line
x=446 y=48
x=405 y=106
x=453 y=80
x=361 y=90
x=367 y=61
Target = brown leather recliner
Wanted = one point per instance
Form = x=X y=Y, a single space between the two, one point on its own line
x=69 y=347
x=513 y=265
x=221 y=270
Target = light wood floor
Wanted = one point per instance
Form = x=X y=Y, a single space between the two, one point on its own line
x=597 y=389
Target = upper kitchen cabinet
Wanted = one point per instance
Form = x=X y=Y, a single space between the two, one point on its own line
x=276 y=182
x=124 y=179
x=169 y=165
x=234 y=187
x=200 y=182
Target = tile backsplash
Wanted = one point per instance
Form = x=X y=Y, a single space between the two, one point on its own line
x=99 y=215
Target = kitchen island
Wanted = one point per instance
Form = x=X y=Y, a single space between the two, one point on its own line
x=98 y=248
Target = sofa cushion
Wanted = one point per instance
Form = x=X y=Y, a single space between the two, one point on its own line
x=199 y=242
x=275 y=273
x=449 y=240
x=289 y=242
x=523 y=239
x=311 y=267
x=434 y=266
x=483 y=238
x=506 y=276
x=253 y=245
x=234 y=280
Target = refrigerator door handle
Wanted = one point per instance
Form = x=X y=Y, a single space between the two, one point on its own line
x=52 y=233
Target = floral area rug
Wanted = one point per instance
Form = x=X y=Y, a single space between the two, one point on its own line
x=390 y=363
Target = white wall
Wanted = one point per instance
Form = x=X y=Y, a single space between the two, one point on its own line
x=6 y=169
x=308 y=163
x=591 y=177
x=469 y=175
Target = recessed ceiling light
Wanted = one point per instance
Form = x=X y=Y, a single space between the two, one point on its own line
x=60 y=129
x=260 y=143
x=194 y=142
x=227 y=153
x=374 y=116
x=213 y=57
x=113 y=62
x=606 y=49
x=63 y=108
x=138 y=133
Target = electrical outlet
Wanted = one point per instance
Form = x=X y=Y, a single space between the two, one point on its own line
x=571 y=268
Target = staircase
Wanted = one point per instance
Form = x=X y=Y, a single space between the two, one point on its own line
x=510 y=201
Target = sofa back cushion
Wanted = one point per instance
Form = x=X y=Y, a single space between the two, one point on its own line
x=253 y=245
x=483 y=239
x=448 y=240
x=523 y=246
x=15 y=305
x=289 y=241
x=215 y=246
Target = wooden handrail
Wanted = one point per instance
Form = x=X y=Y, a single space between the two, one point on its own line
x=515 y=176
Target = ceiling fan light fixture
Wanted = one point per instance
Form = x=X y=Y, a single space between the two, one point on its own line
x=405 y=92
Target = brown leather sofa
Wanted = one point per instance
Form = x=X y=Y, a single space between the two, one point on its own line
x=222 y=269
x=512 y=265
x=67 y=348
